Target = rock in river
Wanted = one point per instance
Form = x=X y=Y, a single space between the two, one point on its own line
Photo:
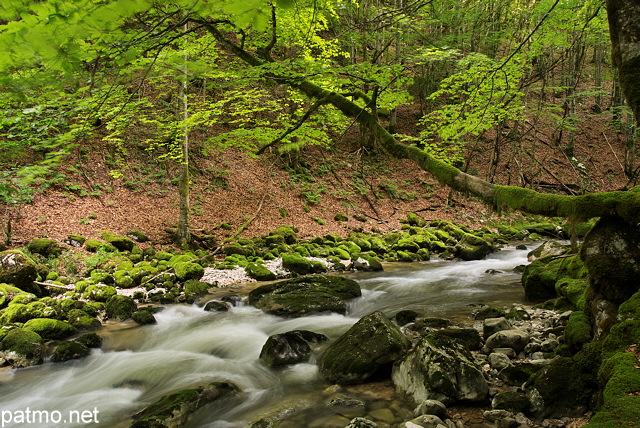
x=304 y=295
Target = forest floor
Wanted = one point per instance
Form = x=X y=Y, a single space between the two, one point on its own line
x=308 y=189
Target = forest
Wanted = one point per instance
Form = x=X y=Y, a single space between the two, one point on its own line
x=163 y=138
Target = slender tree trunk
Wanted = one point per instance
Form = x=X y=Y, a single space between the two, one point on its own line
x=183 y=234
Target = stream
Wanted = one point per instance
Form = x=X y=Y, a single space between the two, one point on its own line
x=189 y=347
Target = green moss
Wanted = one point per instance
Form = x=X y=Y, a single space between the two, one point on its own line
x=70 y=351
x=49 y=328
x=288 y=233
x=46 y=247
x=99 y=293
x=27 y=344
x=620 y=401
x=296 y=263
x=82 y=320
x=259 y=272
x=340 y=217
x=578 y=330
x=120 y=307
x=93 y=245
x=188 y=270
x=194 y=288
x=143 y=317
x=630 y=310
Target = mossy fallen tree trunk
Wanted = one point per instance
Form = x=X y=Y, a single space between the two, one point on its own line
x=624 y=204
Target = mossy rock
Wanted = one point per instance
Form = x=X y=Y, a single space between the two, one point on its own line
x=578 y=330
x=99 y=293
x=341 y=253
x=82 y=320
x=44 y=246
x=120 y=307
x=511 y=401
x=236 y=248
x=101 y=276
x=194 y=289
x=50 y=329
x=309 y=294
x=414 y=219
x=296 y=263
x=21 y=348
x=472 y=247
x=289 y=233
x=20 y=270
x=94 y=245
x=318 y=267
x=341 y=217
x=90 y=340
x=143 y=317
x=188 y=270
x=259 y=272
x=137 y=236
x=75 y=240
x=512 y=233
x=367 y=263
x=620 y=378
x=122 y=243
x=370 y=345
x=175 y=409
x=163 y=255
x=20 y=313
x=70 y=351
x=8 y=293
x=566 y=386
x=406 y=244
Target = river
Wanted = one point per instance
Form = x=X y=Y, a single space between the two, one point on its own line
x=189 y=347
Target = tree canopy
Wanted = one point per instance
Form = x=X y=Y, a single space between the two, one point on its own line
x=77 y=69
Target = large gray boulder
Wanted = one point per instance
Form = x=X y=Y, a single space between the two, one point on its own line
x=369 y=346
x=304 y=295
x=438 y=368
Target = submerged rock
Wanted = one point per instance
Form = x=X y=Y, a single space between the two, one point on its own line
x=369 y=346
x=441 y=369
x=173 y=410
x=300 y=296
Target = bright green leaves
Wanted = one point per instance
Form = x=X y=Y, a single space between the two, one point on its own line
x=286 y=4
x=482 y=94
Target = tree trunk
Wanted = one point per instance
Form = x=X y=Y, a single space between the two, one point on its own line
x=183 y=235
x=624 y=29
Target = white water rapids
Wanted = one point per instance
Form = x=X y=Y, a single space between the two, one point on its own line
x=189 y=347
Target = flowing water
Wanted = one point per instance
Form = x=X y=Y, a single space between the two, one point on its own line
x=189 y=347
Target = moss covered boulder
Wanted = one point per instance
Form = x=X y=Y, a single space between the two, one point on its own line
x=21 y=348
x=369 y=347
x=143 y=317
x=259 y=272
x=7 y=293
x=188 y=270
x=472 y=247
x=174 y=410
x=45 y=246
x=439 y=368
x=122 y=243
x=18 y=269
x=304 y=295
x=120 y=307
x=82 y=320
x=51 y=329
x=295 y=263
x=70 y=351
